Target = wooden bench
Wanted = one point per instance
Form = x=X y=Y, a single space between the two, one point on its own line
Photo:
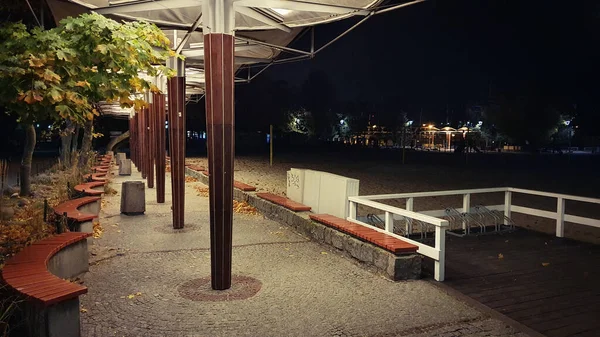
x=99 y=177
x=283 y=201
x=101 y=169
x=80 y=209
x=244 y=187
x=195 y=168
x=52 y=306
x=88 y=188
x=367 y=234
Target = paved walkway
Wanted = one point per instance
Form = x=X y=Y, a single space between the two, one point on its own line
x=139 y=266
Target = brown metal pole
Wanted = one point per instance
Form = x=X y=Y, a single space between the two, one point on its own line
x=135 y=140
x=176 y=90
x=149 y=158
x=151 y=126
x=159 y=105
x=218 y=68
x=131 y=137
x=144 y=140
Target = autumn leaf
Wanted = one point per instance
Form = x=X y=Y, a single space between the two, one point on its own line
x=51 y=76
x=130 y=296
x=82 y=84
x=323 y=253
x=55 y=95
x=29 y=97
x=35 y=62
x=101 y=48
x=83 y=310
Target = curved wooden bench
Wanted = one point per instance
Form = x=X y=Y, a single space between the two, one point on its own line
x=99 y=177
x=88 y=188
x=52 y=304
x=196 y=168
x=377 y=238
x=71 y=207
x=102 y=169
x=80 y=213
x=244 y=187
x=283 y=201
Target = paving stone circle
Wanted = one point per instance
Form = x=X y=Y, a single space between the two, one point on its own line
x=242 y=287
x=168 y=229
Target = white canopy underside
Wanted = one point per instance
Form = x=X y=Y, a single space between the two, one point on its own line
x=263 y=28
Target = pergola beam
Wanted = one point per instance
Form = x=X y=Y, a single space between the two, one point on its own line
x=148 y=6
x=301 y=6
x=252 y=13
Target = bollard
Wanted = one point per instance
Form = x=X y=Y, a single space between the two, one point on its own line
x=133 y=198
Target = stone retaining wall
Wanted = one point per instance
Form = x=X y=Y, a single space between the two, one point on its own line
x=396 y=267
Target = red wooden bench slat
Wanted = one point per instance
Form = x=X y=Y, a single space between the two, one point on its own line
x=70 y=207
x=196 y=168
x=28 y=274
x=99 y=177
x=390 y=243
x=88 y=188
x=283 y=201
x=244 y=187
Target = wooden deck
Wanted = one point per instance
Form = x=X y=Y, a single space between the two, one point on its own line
x=549 y=284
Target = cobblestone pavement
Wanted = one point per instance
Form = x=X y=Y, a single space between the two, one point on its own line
x=306 y=289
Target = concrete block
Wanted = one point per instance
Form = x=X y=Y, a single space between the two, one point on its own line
x=337 y=240
x=120 y=156
x=70 y=261
x=58 y=320
x=91 y=208
x=404 y=267
x=124 y=167
x=380 y=258
x=63 y=319
x=133 y=198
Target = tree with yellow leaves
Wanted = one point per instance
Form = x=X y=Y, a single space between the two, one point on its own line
x=111 y=57
x=62 y=73
x=30 y=86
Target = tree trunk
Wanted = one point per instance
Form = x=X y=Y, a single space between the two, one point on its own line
x=74 y=146
x=65 y=142
x=26 y=160
x=86 y=142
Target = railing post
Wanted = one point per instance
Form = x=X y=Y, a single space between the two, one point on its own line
x=507 y=203
x=352 y=210
x=466 y=207
x=409 y=207
x=389 y=222
x=440 y=244
x=560 y=217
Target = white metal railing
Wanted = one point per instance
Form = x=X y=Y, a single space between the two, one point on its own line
x=431 y=216
x=436 y=253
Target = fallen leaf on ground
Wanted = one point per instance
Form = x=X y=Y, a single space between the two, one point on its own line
x=189 y=179
x=202 y=191
x=97 y=230
x=138 y=294
x=500 y=256
x=130 y=296
x=323 y=253
x=244 y=208
x=83 y=310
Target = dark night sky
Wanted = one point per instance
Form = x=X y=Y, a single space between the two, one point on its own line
x=449 y=52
